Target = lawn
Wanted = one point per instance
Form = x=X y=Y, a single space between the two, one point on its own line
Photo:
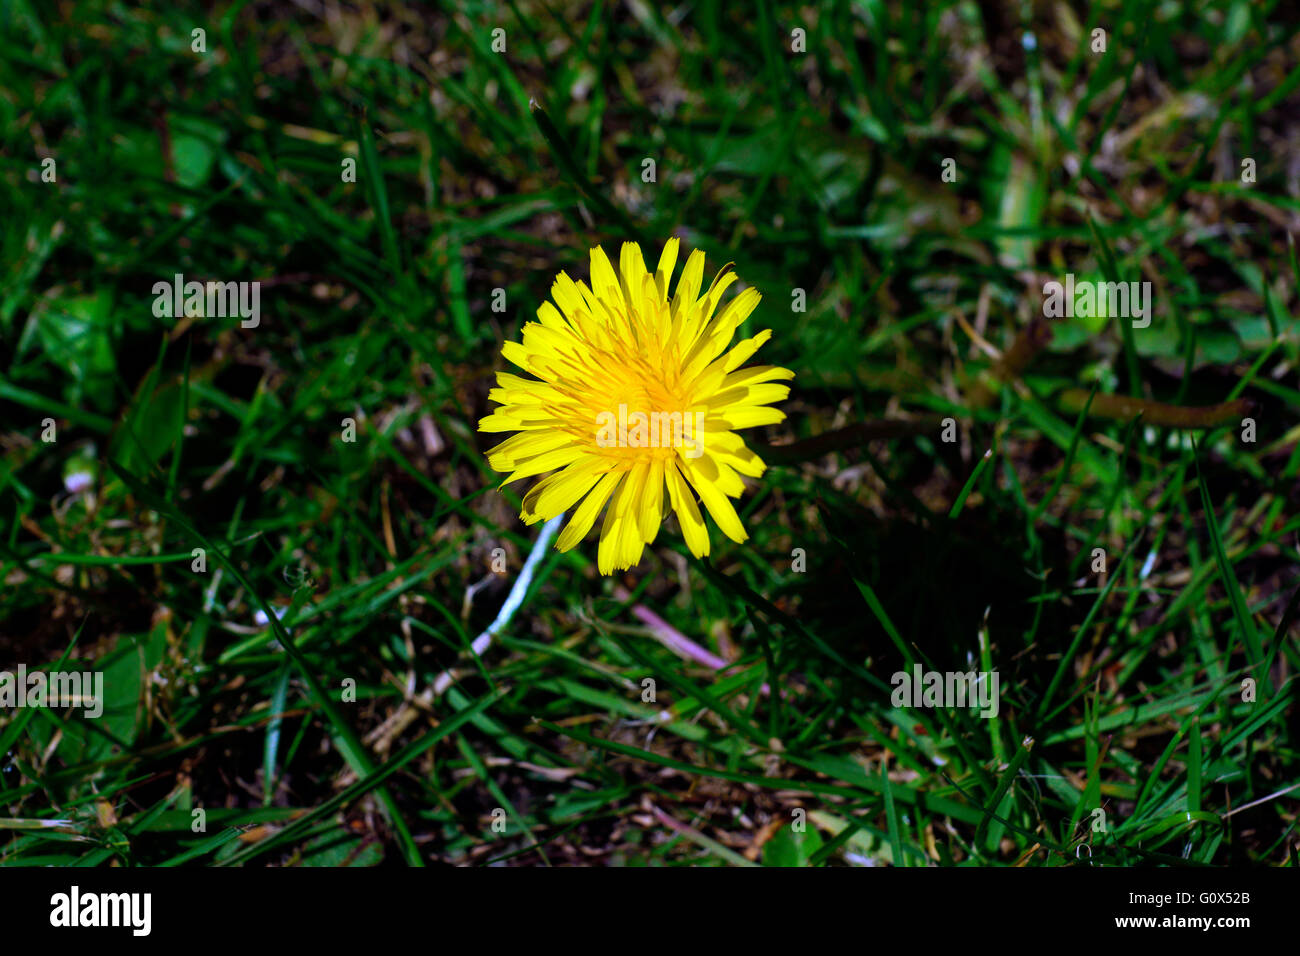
x=1032 y=266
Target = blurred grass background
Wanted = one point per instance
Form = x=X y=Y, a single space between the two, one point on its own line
x=814 y=163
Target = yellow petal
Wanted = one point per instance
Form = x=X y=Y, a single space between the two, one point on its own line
x=720 y=332
x=547 y=462
x=630 y=543
x=652 y=503
x=741 y=458
x=688 y=286
x=603 y=280
x=585 y=515
x=747 y=417
x=749 y=395
x=631 y=267
x=744 y=349
x=500 y=422
x=504 y=456
x=558 y=493
x=755 y=374
x=723 y=513
x=611 y=531
x=664 y=274
x=688 y=515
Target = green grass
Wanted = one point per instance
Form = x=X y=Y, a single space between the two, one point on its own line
x=329 y=736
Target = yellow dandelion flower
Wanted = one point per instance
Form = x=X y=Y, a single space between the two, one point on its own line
x=633 y=391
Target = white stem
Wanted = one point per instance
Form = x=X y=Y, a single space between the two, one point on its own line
x=513 y=600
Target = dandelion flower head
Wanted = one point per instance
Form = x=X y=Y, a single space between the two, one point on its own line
x=632 y=393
